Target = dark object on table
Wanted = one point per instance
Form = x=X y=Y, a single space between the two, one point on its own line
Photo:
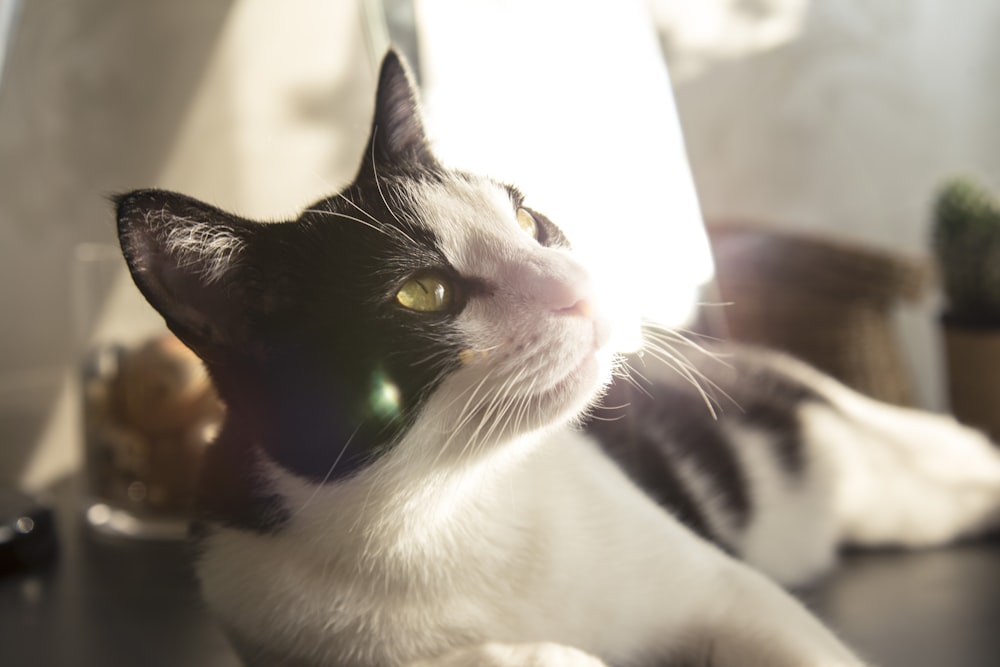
x=823 y=300
x=27 y=532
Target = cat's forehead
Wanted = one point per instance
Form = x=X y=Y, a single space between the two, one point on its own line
x=466 y=215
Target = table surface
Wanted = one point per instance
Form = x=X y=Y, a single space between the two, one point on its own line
x=108 y=602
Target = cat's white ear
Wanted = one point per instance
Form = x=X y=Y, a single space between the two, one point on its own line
x=183 y=254
x=397 y=131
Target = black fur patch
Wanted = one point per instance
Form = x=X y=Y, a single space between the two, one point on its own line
x=319 y=365
x=660 y=427
x=668 y=422
x=231 y=492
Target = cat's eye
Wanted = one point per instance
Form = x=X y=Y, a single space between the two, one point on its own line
x=527 y=223
x=428 y=292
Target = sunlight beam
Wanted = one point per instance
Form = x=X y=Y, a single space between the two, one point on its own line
x=572 y=102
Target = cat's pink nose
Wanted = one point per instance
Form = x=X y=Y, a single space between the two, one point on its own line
x=565 y=292
x=581 y=308
x=563 y=287
x=557 y=283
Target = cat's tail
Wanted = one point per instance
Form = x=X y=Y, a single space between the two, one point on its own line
x=902 y=477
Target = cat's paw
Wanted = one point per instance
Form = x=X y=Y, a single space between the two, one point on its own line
x=542 y=654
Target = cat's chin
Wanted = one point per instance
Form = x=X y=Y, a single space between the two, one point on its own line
x=571 y=394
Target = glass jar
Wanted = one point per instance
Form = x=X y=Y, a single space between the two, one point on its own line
x=149 y=408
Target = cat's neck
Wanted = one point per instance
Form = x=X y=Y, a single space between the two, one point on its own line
x=409 y=497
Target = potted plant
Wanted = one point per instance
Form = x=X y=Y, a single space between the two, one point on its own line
x=966 y=240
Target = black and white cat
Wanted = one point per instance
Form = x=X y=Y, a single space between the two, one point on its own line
x=414 y=468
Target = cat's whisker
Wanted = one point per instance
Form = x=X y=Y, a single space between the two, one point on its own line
x=360 y=210
x=665 y=340
x=691 y=368
x=526 y=400
x=623 y=406
x=609 y=419
x=529 y=402
x=363 y=514
x=667 y=354
x=629 y=376
x=510 y=399
x=440 y=356
x=378 y=185
x=498 y=404
x=524 y=405
x=669 y=336
x=660 y=349
x=685 y=371
x=677 y=363
x=715 y=304
x=387 y=231
x=465 y=415
x=495 y=416
x=630 y=373
x=328 y=474
x=691 y=334
x=488 y=376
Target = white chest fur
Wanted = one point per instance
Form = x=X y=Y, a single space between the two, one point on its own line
x=385 y=569
x=566 y=550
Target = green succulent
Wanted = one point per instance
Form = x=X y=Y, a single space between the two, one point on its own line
x=966 y=236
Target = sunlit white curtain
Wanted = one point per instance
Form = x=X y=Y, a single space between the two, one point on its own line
x=571 y=101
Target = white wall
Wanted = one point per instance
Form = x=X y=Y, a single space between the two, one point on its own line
x=275 y=113
x=839 y=116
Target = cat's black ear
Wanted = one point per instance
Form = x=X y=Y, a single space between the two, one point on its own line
x=184 y=256
x=398 y=130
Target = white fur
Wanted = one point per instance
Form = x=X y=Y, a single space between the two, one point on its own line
x=897 y=476
x=907 y=478
x=791 y=535
x=554 y=545
x=209 y=246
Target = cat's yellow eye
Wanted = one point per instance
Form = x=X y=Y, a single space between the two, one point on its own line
x=527 y=223
x=426 y=293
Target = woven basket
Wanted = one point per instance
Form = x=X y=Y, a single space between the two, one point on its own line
x=826 y=301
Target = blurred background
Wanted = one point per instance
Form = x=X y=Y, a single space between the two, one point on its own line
x=829 y=117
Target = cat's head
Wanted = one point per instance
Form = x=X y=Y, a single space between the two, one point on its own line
x=417 y=300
